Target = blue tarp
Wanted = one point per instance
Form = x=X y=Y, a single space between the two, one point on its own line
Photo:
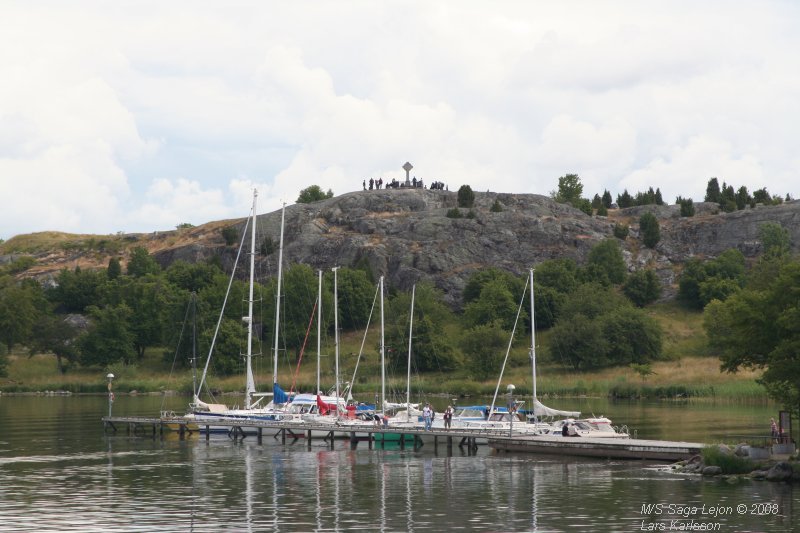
x=278 y=394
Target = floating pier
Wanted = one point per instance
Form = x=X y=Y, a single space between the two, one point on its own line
x=497 y=439
x=598 y=447
x=293 y=431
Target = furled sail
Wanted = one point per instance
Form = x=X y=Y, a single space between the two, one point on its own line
x=539 y=409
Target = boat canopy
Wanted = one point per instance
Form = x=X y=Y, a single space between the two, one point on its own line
x=539 y=409
x=278 y=394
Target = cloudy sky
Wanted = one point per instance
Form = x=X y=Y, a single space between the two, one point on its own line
x=139 y=116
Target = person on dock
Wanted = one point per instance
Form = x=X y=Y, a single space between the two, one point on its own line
x=448 y=416
x=774 y=430
x=427 y=416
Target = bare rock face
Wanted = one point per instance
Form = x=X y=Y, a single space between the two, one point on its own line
x=405 y=235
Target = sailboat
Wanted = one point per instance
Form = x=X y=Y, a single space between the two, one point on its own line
x=207 y=412
x=586 y=427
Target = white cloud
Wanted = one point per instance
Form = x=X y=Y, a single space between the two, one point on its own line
x=142 y=116
x=685 y=170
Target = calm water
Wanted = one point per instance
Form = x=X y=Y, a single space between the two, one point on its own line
x=60 y=472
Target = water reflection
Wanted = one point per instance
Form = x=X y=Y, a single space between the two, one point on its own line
x=61 y=473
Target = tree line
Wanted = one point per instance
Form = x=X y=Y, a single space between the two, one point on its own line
x=97 y=318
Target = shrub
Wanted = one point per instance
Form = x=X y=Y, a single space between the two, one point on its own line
x=496 y=207
x=728 y=462
x=454 y=213
x=466 y=198
x=230 y=234
x=621 y=231
x=649 y=228
x=687 y=206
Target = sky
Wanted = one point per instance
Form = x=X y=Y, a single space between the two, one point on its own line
x=140 y=116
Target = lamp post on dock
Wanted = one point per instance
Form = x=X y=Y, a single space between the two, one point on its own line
x=110 y=378
x=511 y=410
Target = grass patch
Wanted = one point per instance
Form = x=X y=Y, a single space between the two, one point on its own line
x=728 y=462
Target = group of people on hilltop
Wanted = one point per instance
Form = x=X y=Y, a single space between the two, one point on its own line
x=394 y=184
x=373 y=183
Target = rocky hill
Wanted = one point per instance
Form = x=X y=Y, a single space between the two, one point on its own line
x=405 y=235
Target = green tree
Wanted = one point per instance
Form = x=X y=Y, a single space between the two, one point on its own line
x=605 y=263
x=642 y=287
x=762 y=196
x=650 y=229
x=579 y=342
x=430 y=349
x=191 y=277
x=591 y=300
x=584 y=205
x=142 y=263
x=230 y=234
x=483 y=347
x=497 y=207
x=356 y=295
x=631 y=336
x=607 y=201
x=114 y=269
x=687 y=206
x=759 y=329
x=313 y=193
x=478 y=280
x=743 y=198
x=230 y=344
x=774 y=238
x=495 y=304
x=466 y=198
x=602 y=211
x=694 y=273
x=559 y=274
x=109 y=339
x=713 y=193
x=621 y=231
x=570 y=189
x=625 y=199
x=150 y=300
x=76 y=290
x=55 y=334
x=18 y=312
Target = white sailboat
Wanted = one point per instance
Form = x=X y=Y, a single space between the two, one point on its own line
x=586 y=427
x=205 y=413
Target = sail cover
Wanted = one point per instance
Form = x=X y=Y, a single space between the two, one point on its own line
x=324 y=408
x=278 y=394
x=539 y=409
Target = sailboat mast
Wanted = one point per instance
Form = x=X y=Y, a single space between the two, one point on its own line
x=319 y=326
x=194 y=344
x=410 y=329
x=278 y=301
x=336 y=332
x=251 y=383
x=383 y=358
x=533 y=347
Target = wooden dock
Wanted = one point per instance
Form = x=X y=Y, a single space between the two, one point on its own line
x=293 y=431
x=599 y=447
x=497 y=438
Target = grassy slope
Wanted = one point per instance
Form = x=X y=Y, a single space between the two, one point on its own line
x=687 y=370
